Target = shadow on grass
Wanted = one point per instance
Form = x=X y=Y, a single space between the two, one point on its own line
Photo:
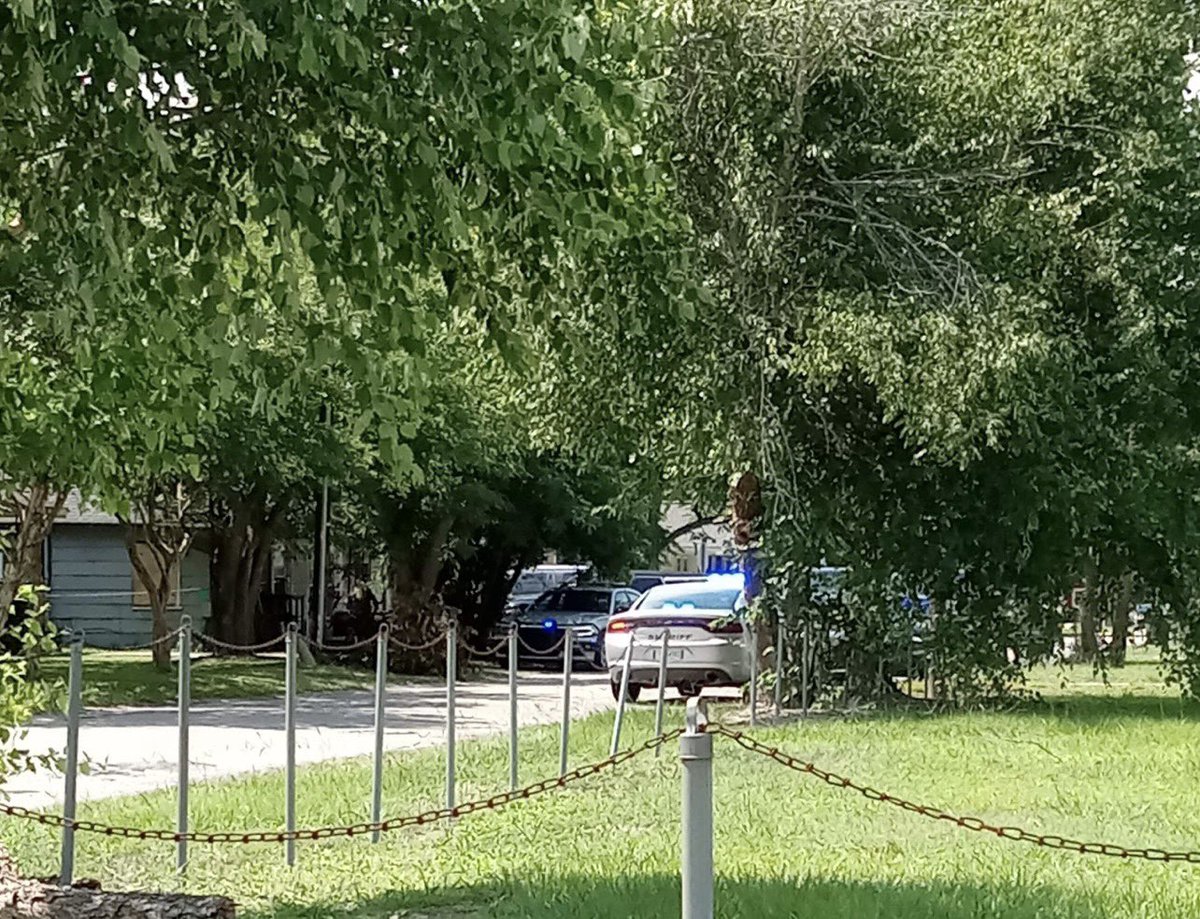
x=654 y=896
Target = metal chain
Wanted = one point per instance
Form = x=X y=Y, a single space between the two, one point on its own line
x=488 y=653
x=429 y=645
x=545 y=652
x=357 y=829
x=145 y=646
x=227 y=646
x=321 y=646
x=1014 y=833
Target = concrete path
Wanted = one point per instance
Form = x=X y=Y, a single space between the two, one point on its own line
x=133 y=750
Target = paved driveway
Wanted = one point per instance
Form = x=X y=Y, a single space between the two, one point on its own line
x=133 y=750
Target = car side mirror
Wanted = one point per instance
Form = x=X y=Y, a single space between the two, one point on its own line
x=622 y=607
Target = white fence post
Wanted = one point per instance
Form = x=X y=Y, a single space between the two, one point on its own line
x=71 y=766
x=805 y=673
x=753 y=674
x=513 y=715
x=779 y=668
x=185 y=702
x=696 y=867
x=289 y=730
x=622 y=697
x=662 y=688
x=381 y=674
x=565 y=732
x=451 y=678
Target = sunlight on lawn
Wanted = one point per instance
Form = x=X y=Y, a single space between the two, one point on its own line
x=1117 y=763
x=129 y=678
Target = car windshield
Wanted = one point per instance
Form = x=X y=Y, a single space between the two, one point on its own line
x=698 y=598
x=529 y=583
x=573 y=600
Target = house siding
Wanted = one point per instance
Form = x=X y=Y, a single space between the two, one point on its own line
x=91 y=586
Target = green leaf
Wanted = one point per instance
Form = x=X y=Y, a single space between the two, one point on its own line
x=575 y=39
x=504 y=153
x=158 y=146
x=309 y=63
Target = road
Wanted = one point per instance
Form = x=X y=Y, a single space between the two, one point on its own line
x=133 y=750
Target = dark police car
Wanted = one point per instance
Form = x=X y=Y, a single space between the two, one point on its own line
x=584 y=609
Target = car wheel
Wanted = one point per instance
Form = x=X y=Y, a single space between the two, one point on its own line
x=632 y=693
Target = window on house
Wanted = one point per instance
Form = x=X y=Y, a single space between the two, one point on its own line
x=141 y=593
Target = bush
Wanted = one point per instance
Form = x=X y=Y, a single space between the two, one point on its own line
x=27 y=636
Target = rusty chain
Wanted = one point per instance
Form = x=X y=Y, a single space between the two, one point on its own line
x=495 y=802
x=1017 y=834
x=486 y=655
x=425 y=646
x=544 y=652
x=144 y=646
x=355 y=646
x=209 y=640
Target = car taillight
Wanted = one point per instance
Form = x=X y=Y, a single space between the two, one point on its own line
x=619 y=625
x=725 y=627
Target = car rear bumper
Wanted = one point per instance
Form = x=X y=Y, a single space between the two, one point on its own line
x=717 y=661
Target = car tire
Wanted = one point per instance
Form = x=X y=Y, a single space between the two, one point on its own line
x=634 y=691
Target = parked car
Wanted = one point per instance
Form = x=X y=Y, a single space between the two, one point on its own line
x=583 y=609
x=709 y=644
x=641 y=581
x=533 y=582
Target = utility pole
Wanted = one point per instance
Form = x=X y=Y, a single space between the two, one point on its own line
x=316 y=628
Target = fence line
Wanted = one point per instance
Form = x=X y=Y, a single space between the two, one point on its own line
x=696 y=757
x=695 y=726
x=974 y=824
x=213 y=642
x=69 y=634
x=494 y=802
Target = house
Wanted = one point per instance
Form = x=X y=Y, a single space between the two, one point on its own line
x=93 y=585
x=704 y=549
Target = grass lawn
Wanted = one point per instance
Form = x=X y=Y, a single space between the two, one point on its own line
x=1116 y=763
x=130 y=678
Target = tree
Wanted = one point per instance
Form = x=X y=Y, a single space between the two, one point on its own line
x=158 y=534
x=343 y=177
x=946 y=289
x=494 y=149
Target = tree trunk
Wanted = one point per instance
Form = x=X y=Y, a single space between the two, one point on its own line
x=414 y=579
x=1088 y=646
x=241 y=553
x=160 y=653
x=34 y=511
x=27 y=898
x=157 y=577
x=1122 y=604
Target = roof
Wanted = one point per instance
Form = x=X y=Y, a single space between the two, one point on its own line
x=76 y=509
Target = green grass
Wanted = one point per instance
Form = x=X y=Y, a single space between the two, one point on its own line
x=1118 y=763
x=130 y=678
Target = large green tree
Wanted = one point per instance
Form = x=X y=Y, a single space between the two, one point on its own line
x=952 y=256
x=182 y=187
